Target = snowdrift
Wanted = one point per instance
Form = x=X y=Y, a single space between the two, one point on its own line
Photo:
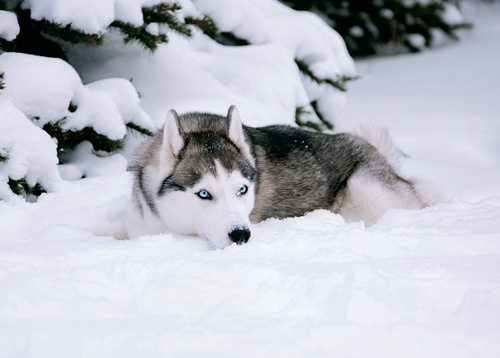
x=416 y=284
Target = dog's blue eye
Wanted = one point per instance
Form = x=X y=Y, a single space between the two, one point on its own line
x=204 y=194
x=243 y=189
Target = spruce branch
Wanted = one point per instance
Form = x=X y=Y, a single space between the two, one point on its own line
x=230 y=39
x=2 y=83
x=205 y=24
x=339 y=83
x=68 y=139
x=161 y=14
x=21 y=186
x=41 y=37
x=4 y=155
x=139 y=35
x=299 y=112
x=135 y=128
x=66 y=33
x=317 y=126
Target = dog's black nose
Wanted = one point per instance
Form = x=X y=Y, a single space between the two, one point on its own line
x=240 y=236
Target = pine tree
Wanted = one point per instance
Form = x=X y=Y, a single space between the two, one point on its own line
x=382 y=26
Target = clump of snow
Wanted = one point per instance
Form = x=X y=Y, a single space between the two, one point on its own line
x=89 y=16
x=356 y=31
x=387 y=13
x=93 y=17
x=131 y=10
x=452 y=15
x=153 y=29
x=9 y=27
x=30 y=151
x=294 y=31
x=40 y=87
x=44 y=88
x=416 y=40
x=126 y=99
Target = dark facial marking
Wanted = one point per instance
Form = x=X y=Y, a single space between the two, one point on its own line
x=147 y=197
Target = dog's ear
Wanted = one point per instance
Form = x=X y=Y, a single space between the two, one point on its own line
x=172 y=138
x=235 y=133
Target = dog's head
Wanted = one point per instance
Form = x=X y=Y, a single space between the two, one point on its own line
x=207 y=177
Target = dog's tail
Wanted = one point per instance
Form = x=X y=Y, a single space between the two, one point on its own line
x=380 y=139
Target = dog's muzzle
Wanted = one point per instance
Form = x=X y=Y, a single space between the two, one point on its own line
x=240 y=236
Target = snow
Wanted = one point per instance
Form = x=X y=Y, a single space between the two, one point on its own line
x=451 y=15
x=40 y=87
x=30 y=151
x=89 y=16
x=255 y=78
x=43 y=89
x=9 y=27
x=420 y=283
x=416 y=40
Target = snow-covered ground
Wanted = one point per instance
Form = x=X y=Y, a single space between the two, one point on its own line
x=416 y=284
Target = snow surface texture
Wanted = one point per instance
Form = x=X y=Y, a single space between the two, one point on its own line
x=416 y=284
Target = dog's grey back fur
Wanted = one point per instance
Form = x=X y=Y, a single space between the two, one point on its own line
x=301 y=171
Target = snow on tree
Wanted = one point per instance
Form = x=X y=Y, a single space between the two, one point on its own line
x=49 y=92
x=28 y=156
x=386 y=26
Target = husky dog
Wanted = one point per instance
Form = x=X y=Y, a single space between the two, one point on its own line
x=211 y=176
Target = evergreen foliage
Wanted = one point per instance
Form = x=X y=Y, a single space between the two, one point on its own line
x=338 y=83
x=205 y=24
x=320 y=126
x=4 y=156
x=41 y=37
x=381 y=26
x=161 y=14
x=135 y=128
x=20 y=187
x=2 y=83
x=68 y=139
x=299 y=112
